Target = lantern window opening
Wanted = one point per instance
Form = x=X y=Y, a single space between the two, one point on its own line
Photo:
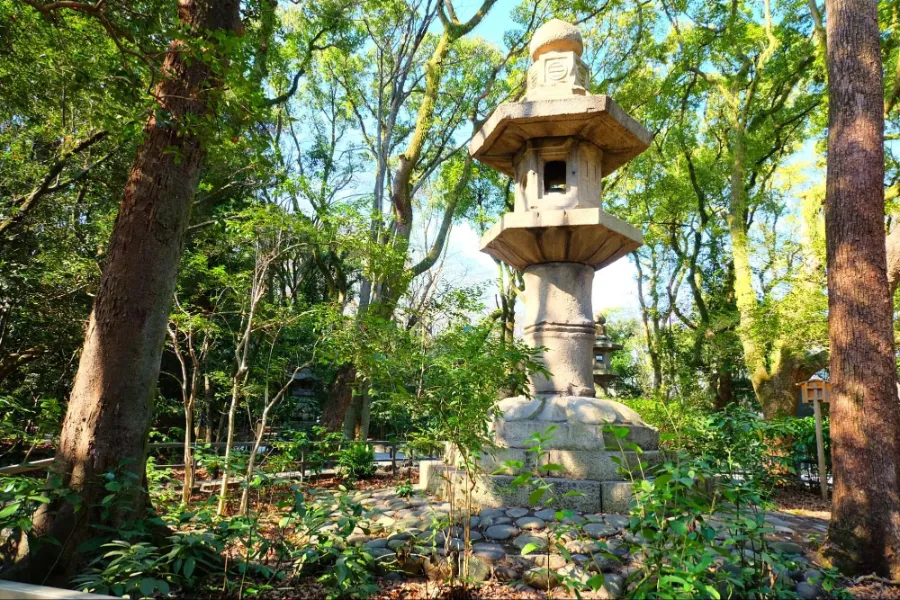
x=555 y=176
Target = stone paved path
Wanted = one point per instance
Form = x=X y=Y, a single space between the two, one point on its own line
x=413 y=536
x=794 y=525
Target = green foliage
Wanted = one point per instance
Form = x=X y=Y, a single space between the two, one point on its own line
x=314 y=448
x=22 y=496
x=404 y=490
x=307 y=540
x=746 y=445
x=701 y=518
x=455 y=383
x=802 y=434
x=344 y=568
x=356 y=460
x=43 y=416
x=685 y=555
x=142 y=569
x=126 y=570
x=672 y=418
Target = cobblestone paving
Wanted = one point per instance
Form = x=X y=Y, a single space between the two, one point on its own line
x=412 y=537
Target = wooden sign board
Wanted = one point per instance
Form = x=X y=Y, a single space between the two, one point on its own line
x=815 y=389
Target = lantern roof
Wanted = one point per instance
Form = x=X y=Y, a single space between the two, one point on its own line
x=521 y=239
x=603 y=342
x=556 y=35
x=596 y=119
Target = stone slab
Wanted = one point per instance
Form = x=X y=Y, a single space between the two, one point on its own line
x=493 y=491
x=599 y=465
x=22 y=591
x=596 y=464
x=569 y=436
x=616 y=496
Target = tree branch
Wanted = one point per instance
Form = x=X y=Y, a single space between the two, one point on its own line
x=22 y=204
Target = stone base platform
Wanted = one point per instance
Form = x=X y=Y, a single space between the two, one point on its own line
x=495 y=491
x=581 y=423
x=590 y=440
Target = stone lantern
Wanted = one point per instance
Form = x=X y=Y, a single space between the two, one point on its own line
x=558 y=144
x=303 y=392
x=603 y=349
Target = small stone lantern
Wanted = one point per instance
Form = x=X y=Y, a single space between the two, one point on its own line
x=303 y=391
x=603 y=349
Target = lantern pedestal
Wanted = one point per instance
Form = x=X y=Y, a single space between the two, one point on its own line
x=582 y=445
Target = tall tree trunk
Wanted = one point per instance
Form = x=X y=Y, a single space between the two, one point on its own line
x=745 y=296
x=188 y=486
x=208 y=397
x=109 y=412
x=864 y=533
x=365 y=414
x=773 y=374
x=340 y=399
x=384 y=295
x=258 y=288
x=650 y=321
x=724 y=381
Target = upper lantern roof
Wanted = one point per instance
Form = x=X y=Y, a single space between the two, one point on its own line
x=596 y=119
x=556 y=36
x=557 y=104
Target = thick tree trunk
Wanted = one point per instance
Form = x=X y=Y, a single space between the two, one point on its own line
x=724 y=384
x=352 y=416
x=365 y=415
x=864 y=534
x=109 y=413
x=340 y=399
x=778 y=394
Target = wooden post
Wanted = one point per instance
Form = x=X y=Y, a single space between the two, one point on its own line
x=820 y=450
x=816 y=391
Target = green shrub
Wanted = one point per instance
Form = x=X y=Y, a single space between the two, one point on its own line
x=357 y=460
x=700 y=521
x=704 y=534
x=314 y=448
x=142 y=569
x=126 y=568
x=802 y=433
x=745 y=444
x=671 y=417
x=404 y=490
x=343 y=568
